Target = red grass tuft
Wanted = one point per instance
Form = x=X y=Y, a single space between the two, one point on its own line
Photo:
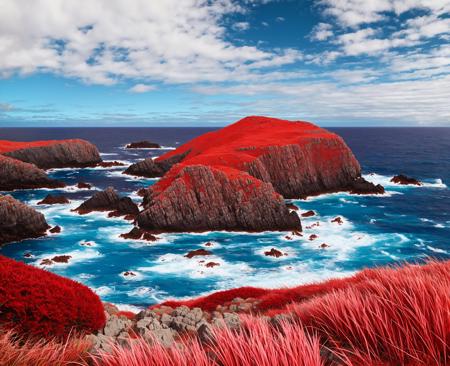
x=397 y=317
x=16 y=351
x=40 y=303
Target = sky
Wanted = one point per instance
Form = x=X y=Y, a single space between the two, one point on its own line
x=209 y=63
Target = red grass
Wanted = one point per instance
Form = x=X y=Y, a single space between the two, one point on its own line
x=15 y=351
x=36 y=302
x=398 y=317
x=126 y=314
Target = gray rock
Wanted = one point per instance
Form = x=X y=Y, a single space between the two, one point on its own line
x=232 y=320
x=115 y=326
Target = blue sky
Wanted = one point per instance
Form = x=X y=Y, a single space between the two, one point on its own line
x=209 y=63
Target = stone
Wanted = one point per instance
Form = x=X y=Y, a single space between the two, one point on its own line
x=274 y=253
x=198 y=252
x=308 y=213
x=405 y=180
x=55 y=230
x=143 y=145
x=53 y=200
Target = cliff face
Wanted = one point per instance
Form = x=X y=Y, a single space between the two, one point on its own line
x=234 y=178
x=198 y=198
x=15 y=174
x=53 y=154
x=19 y=221
x=151 y=168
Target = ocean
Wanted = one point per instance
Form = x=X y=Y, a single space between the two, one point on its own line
x=408 y=223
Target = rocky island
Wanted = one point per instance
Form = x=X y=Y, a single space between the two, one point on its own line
x=237 y=178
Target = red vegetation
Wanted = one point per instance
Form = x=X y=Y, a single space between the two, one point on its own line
x=17 y=351
x=36 y=302
x=126 y=314
x=6 y=146
x=393 y=317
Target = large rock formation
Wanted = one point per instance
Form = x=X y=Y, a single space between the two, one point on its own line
x=234 y=178
x=53 y=154
x=151 y=168
x=109 y=200
x=198 y=198
x=19 y=221
x=15 y=174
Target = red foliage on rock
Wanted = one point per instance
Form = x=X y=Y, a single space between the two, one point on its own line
x=40 y=303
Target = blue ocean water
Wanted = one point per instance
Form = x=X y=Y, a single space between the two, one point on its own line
x=406 y=224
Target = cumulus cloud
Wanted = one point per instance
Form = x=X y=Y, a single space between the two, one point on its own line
x=105 y=41
x=241 y=26
x=141 y=88
x=321 y=32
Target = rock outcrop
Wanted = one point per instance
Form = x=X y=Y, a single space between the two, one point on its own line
x=54 y=200
x=235 y=178
x=15 y=174
x=73 y=153
x=200 y=198
x=109 y=200
x=19 y=221
x=143 y=145
x=404 y=180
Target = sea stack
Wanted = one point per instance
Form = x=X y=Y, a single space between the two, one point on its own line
x=19 y=221
x=73 y=153
x=237 y=178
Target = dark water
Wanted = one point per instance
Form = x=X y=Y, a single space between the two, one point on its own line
x=406 y=224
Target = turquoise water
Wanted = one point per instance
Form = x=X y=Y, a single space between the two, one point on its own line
x=406 y=224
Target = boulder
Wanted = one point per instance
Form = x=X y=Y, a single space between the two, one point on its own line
x=404 y=180
x=53 y=200
x=19 y=221
x=198 y=252
x=143 y=145
x=309 y=213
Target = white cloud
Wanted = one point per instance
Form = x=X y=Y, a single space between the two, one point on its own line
x=280 y=19
x=141 y=88
x=105 y=41
x=321 y=32
x=241 y=26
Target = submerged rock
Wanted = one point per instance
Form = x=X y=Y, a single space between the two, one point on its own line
x=19 y=221
x=143 y=145
x=274 y=253
x=309 y=213
x=198 y=252
x=404 y=180
x=83 y=185
x=55 y=230
x=53 y=200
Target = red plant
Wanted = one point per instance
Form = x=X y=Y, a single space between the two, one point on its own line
x=16 y=351
x=36 y=302
x=127 y=314
x=397 y=317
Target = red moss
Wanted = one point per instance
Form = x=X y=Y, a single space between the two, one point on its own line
x=36 y=302
x=127 y=314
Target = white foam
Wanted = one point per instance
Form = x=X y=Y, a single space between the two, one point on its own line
x=194 y=268
x=439 y=226
x=385 y=181
x=108 y=154
x=389 y=255
x=436 y=250
x=148 y=292
x=212 y=244
x=127 y=307
x=103 y=290
x=137 y=275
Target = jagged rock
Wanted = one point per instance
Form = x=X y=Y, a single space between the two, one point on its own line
x=198 y=252
x=83 y=185
x=361 y=186
x=57 y=154
x=115 y=325
x=313 y=237
x=212 y=264
x=151 y=168
x=53 y=200
x=55 y=230
x=204 y=198
x=108 y=200
x=338 y=220
x=137 y=233
x=308 y=213
x=143 y=145
x=109 y=164
x=291 y=206
x=19 y=221
x=62 y=258
x=15 y=174
x=404 y=180
x=274 y=253
x=324 y=246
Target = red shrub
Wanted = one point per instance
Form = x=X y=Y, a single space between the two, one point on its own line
x=127 y=314
x=37 y=302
